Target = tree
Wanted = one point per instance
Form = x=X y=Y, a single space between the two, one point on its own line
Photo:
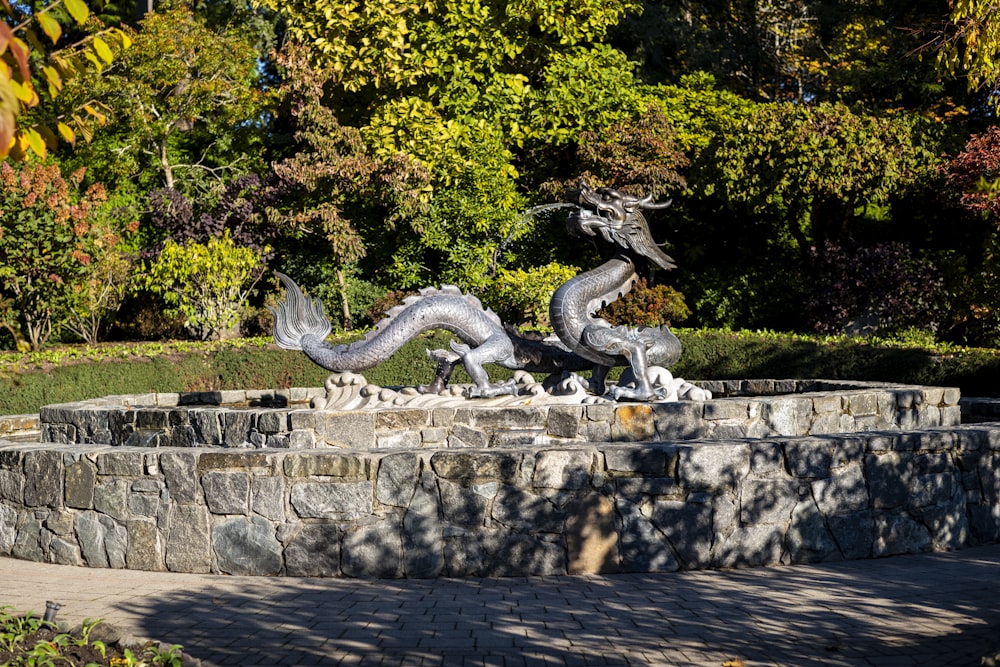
x=970 y=43
x=331 y=173
x=188 y=107
x=51 y=239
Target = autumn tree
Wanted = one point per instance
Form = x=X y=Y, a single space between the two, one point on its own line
x=52 y=237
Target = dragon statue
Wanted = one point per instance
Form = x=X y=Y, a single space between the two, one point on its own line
x=584 y=340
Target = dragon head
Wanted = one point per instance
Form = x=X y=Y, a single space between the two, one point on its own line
x=619 y=219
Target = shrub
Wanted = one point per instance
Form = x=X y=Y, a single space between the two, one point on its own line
x=647 y=306
x=208 y=284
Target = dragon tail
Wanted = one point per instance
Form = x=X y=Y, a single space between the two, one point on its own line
x=297 y=317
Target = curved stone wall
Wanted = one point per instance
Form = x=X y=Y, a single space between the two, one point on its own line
x=607 y=507
x=556 y=508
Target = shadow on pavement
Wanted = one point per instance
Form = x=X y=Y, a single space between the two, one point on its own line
x=932 y=609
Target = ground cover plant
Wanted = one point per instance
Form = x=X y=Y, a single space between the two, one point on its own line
x=27 y=640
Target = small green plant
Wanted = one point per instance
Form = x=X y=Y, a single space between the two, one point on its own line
x=206 y=283
x=166 y=657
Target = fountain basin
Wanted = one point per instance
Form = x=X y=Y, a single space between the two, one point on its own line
x=560 y=505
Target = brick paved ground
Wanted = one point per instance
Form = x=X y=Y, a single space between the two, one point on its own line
x=932 y=609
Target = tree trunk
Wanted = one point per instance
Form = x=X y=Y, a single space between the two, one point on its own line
x=342 y=284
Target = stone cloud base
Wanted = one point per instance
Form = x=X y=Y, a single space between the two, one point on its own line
x=518 y=510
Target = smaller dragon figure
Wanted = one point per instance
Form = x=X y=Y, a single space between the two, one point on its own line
x=585 y=341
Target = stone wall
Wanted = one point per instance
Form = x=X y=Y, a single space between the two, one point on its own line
x=756 y=409
x=571 y=508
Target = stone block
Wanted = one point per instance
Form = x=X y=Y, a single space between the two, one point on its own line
x=326 y=464
x=643 y=548
x=634 y=488
x=726 y=408
x=633 y=423
x=635 y=460
x=180 y=473
x=499 y=466
x=373 y=551
x=396 y=479
x=340 y=501
x=226 y=492
x=461 y=505
x=188 y=547
x=526 y=512
x=591 y=536
x=80 y=479
x=843 y=492
x=423 y=537
x=267 y=497
x=862 y=404
x=236 y=460
x=808 y=539
x=679 y=421
x=889 y=479
x=690 y=529
x=245 y=546
x=401 y=419
x=398 y=440
x=853 y=533
x=564 y=421
x=313 y=551
x=790 y=416
x=767 y=459
x=272 y=421
x=120 y=464
x=492 y=419
x=111 y=498
x=750 y=546
x=145 y=552
x=809 y=458
x=466 y=436
x=768 y=501
x=12 y=486
x=43 y=479
x=563 y=468
x=712 y=466
x=524 y=555
x=898 y=534
x=355 y=430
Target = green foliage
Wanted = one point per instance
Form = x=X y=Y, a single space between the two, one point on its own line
x=207 y=283
x=469 y=224
x=649 y=306
x=813 y=170
x=521 y=297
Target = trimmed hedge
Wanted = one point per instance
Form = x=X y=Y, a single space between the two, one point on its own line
x=707 y=356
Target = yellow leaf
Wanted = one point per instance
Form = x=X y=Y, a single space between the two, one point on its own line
x=48 y=136
x=78 y=10
x=25 y=93
x=103 y=50
x=67 y=133
x=53 y=79
x=35 y=142
x=50 y=26
x=93 y=59
x=126 y=40
x=101 y=118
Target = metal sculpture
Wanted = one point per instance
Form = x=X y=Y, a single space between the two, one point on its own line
x=585 y=341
